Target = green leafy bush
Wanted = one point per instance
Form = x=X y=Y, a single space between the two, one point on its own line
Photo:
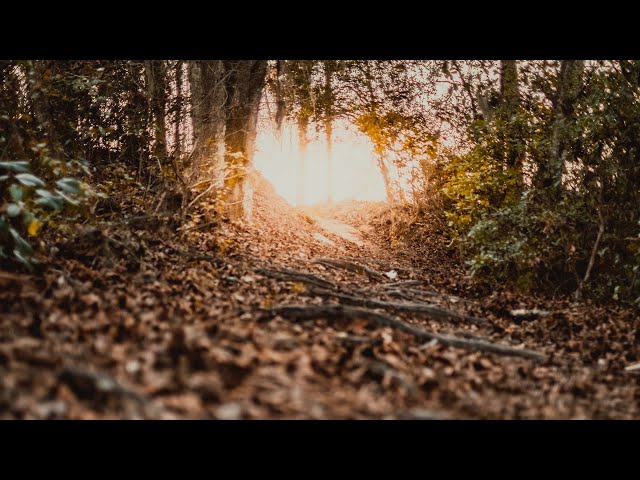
x=30 y=201
x=568 y=222
x=475 y=184
x=530 y=247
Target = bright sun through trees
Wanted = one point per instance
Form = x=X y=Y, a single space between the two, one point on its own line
x=352 y=173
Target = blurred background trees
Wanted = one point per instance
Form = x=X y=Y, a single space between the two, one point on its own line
x=545 y=195
x=532 y=164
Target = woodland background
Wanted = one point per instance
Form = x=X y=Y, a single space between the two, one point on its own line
x=529 y=167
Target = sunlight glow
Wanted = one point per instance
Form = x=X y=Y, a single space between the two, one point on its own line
x=355 y=175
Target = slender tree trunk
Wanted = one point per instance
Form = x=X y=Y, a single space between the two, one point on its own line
x=215 y=118
x=549 y=175
x=328 y=127
x=384 y=170
x=329 y=133
x=196 y=101
x=10 y=139
x=37 y=77
x=280 y=103
x=509 y=86
x=303 y=140
x=155 y=74
x=178 y=118
x=208 y=96
x=244 y=83
x=379 y=146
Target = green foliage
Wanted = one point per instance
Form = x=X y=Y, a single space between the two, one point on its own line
x=525 y=247
x=28 y=202
x=484 y=179
x=538 y=249
x=545 y=235
x=475 y=184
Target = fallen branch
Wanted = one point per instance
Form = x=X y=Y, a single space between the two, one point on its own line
x=87 y=383
x=94 y=385
x=528 y=314
x=383 y=264
x=332 y=312
x=414 y=307
x=418 y=295
x=406 y=283
x=295 y=276
x=350 y=266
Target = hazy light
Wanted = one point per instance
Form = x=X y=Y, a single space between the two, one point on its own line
x=355 y=174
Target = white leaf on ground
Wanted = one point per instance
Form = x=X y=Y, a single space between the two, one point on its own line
x=633 y=368
x=392 y=274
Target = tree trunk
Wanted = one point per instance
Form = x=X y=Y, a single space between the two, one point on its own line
x=329 y=133
x=384 y=170
x=177 y=151
x=10 y=140
x=303 y=140
x=328 y=127
x=208 y=95
x=155 y=74
x=514 y=153
x=244 y=83
x=196 y=100
x=37 y=73
x=549 y=175
x=280 y=103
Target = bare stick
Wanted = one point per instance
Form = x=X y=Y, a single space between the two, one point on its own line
x=332 y=312
x=417 y=295
x=594 y=251
x=406 y=283
x=414 y=307
x=350 y=266
x=295 y=276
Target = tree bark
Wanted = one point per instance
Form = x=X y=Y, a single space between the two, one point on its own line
x=303 y=140
x=549 y=175
x=208 y=96
x=196 y=99
x=38 y=90
x=177 y=133
x=244 y=83
x=335 y=312
x=10 y=140
x=155 y=74
x=328 y=126
x=384 y=170
x=509 y=87
x=280 y=103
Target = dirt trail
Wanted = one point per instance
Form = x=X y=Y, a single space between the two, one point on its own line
x=343 y=230
x=306 y=313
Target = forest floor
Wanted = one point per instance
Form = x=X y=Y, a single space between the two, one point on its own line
x=303 y=313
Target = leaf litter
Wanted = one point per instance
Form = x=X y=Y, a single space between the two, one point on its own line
x=141 y=323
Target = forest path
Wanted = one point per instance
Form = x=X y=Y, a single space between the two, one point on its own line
x=267 y=320
x=341 y=229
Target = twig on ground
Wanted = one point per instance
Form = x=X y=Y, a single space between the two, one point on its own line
x=414 y=307
x=333 y=312
x=295 y=276
x=350 y=266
